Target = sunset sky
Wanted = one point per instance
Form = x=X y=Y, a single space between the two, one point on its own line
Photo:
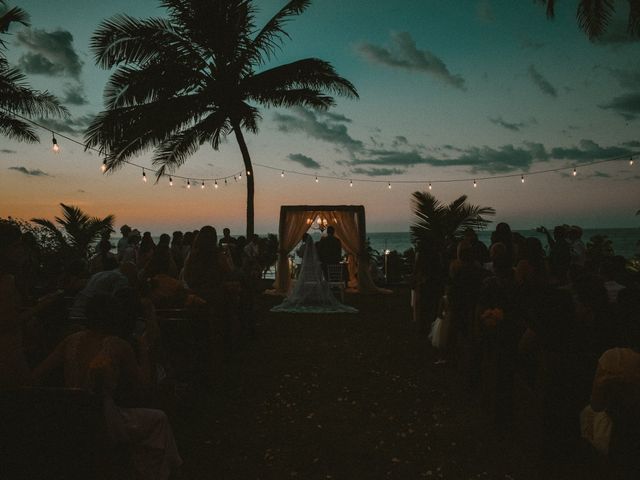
x=448 y=90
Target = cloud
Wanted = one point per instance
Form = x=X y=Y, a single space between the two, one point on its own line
x=617 y=34
x=303 y=160
x=516 y=127
x=81 y=191
x=377 y=172
x=72 y=125
x=627 y=105
x=632 y=144
x=51 y=53
x=532 y=44
x=405 y=55
x=308 y=122
x=31 y=173
x=588 y=151
x=74 y=95
x=628 y=79
x=542 y=83
x=6 y=150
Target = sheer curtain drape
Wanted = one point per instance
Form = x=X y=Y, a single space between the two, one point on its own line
x=295 y=224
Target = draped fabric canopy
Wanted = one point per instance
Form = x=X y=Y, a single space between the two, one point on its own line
x=350 y=227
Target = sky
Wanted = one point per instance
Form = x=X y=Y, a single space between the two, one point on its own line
x=456 y=90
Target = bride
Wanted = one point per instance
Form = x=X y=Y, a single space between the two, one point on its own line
x=311 y=292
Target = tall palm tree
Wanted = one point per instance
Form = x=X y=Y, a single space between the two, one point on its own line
x=17 y=98
x=594 y=15
x=78 y=230
x=194 y=78
x=437 y=225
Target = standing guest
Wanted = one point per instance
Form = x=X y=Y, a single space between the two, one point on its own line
x=103 y=252
x=176 y=249
x=230 y=244
x=559 y=253
x=164 y=239
x=226 y=239
x=131 y=252
x=203 y=270
x=187 y=242
x=578 y=250
x=502 y=234
x=480 y=250
x=123 y=243
x=145 y=251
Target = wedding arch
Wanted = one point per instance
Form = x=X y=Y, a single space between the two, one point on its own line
x=350 y=227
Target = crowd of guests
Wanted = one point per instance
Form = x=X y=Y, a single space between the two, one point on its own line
x=558 y=322
x=98 y=330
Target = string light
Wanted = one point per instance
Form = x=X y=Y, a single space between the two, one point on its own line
x=202 y=186
x=522 y=178
x=474 y=184
x=170 y=182
x=56 y=147
x=248 y=173
x=103 y=167
x=575 y=172
x=429 y=185
x=389 y=186
x=240 y=176
x=282 y=174
x=631 y=161
x=215 y=185
x=316 y=179
x=188 y=184
x=144 y=176
x=351 y=183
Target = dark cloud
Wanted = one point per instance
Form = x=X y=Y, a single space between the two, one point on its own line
x=74 y=95
x=336 y=117
x=516 y=127
x=627 y=105
x=81 y=191
x=303 y=160
x=308 y=122
x=6 y=150
x=632 y=144
x=377 y=172
x=31 y=173
x=51 y=53
x=72 y=125
x=543 y=84
x=404 y=54
x=628 y=79
x=588 y=151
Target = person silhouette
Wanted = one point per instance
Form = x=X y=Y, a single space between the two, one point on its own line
x=329 y=250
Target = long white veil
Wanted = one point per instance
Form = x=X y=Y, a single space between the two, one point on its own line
x=311 y=292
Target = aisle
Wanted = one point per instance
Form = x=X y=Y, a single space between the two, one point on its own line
x=343 y=397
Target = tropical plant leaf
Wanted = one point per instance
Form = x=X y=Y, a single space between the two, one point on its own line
x=594 y=16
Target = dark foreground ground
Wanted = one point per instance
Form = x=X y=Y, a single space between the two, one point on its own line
x=351 y=397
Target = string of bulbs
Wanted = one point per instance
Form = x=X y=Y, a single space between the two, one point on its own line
x=238 y=175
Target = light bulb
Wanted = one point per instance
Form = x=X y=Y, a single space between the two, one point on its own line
x=188 y=184
x=215 y=184
x=316 y=179
x=282 y=174
x=389 y=186
x=248 y=173
x=522 y=178
x=631 y=161
x=575 y=172
x=351 y=183
x=56 y=147
x=103 y=167
x=144 y=176
x=240 y=176
x=474 y=184
x=429 y=185
x=170 y=182
x=202 y=186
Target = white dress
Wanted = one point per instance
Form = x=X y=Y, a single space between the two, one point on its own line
x=311 y=292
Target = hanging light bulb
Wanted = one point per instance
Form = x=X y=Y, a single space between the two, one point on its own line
x=202 y=186
x=316 y=179
x=429 y=185
x=282 y=174
x=575 y=172
x=144 y=176
x=188 y=184
x=630 y=160
x=225 y=181
x=474 y=184
x=522 y=178
x=248 y=173
x=389 y=186
x=240 y=176
x=170 y=182
x=351 y=183
x=56 y=147
x=103 y=167
x=215 y=184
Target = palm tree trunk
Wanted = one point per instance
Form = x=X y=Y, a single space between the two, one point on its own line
x=249 y=174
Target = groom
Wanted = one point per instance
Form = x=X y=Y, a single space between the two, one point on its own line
x=329 y=250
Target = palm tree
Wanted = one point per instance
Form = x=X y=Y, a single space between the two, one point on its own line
x=594 y=15
x=193 y=79
x=79 y=230
x=17 y=100
x=437 y=225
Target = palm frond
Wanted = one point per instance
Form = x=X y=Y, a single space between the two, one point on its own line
x=13 y=15
x=594 y=16
x=17 y=96
x=55 y=231
x=14 y=128
x=634 y=17
x=269 y=38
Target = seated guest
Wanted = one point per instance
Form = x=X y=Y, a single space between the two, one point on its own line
x=103 y=251
x=98 y=360
x=205 y=270
x=161 y=262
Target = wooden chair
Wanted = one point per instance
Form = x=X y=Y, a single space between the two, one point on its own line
x=335 y=279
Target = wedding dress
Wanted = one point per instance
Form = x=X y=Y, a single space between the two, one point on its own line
x=311 y=292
